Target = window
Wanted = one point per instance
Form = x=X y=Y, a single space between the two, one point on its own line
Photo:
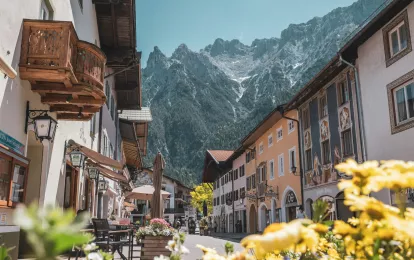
x=236 y=194
x=292 y=158
x=222 y=199
x=346 y=138
x=404 y=102
x=214 y=202
x=343 y=94
x=241 y=169
x=397 y=40
x=13 y=175
x=218 y=183
x=291 y=126
x=107 y=93
x=226 y=178
x=260 y=148
x=46 y=11
x=308 y=160
x=326 y=152
x=242 y=192
x=279 y=134
x=306 y=118
x=222 y=181
x=401 y=102
x=281 y=165
x=253 y=182
x=236 y=174
x=262 y=171
x=272 y=169
x=253 y=154
x=248 y=183
x=323 y=107
x=270 y=140
x=247 y=157
x=93 y=126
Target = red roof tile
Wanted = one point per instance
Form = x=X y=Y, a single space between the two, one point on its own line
x=220 y=155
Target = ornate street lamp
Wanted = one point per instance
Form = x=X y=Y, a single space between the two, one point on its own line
x=93 y=173
x=44 y=125
x=293 y=169
x=103 y=185
x=77 y=158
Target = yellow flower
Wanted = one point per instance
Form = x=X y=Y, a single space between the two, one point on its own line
x=281 y=239
x=333 y=254
x=320 y=228
x=343 y=229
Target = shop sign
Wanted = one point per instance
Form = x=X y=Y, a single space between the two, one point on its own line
x=12 y=143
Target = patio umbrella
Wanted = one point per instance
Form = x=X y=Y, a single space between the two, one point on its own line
x=156 y=205
x=145 y=193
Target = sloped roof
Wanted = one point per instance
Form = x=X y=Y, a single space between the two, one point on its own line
x=220 y=155
x=143 y=115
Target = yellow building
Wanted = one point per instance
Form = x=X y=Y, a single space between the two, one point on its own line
x=272 y=170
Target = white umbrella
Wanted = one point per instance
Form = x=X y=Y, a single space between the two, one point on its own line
x=145 y=193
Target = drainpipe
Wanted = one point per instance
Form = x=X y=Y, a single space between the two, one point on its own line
x=282 y=112
x=99 y=151
x=232 y=196
x=359 y=103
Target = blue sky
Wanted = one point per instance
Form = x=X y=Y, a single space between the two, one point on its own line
x=197 y=23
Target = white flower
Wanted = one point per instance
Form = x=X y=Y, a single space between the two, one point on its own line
x=95 y=256
x=22 y=219
x=184 y=250
x=90 y=247
x=161 y=257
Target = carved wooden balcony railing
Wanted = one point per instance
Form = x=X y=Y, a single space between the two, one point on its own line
x=66 y=72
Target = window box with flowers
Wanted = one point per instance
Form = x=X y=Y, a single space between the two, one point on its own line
x=154 y=238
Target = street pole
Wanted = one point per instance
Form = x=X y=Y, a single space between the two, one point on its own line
x=96 y=194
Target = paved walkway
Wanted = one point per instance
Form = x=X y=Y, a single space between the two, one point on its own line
x=236 y=237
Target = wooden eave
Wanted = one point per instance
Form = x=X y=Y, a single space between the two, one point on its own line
x=131 y=145
x=117 y=30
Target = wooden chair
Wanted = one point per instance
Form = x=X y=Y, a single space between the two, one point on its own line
x=106 y=239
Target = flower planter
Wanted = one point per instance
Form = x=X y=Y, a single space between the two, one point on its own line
x=154 y=246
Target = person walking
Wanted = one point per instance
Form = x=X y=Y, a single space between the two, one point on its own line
x=300 y=213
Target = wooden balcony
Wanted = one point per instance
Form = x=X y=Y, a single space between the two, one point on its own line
x=66 y=72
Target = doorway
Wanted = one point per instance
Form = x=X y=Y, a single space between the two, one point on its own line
x=263 y=217
x=71 y=188
x=252 y=219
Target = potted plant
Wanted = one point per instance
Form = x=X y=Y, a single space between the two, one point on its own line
x=154 y=238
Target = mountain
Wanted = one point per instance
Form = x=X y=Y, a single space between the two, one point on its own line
x=211 y=98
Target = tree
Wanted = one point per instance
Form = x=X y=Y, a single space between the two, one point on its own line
x=201 y=193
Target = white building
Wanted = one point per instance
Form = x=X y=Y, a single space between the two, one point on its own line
x=386 y=71
x=59 y=59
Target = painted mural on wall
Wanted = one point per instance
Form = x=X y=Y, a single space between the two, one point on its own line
x=144 y=178
x=324 y=128
x=308 y=139
x=344 y=118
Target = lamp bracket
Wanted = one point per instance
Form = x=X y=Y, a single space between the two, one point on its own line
x=31 y=114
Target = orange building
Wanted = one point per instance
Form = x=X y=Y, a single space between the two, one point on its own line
x=272 y=171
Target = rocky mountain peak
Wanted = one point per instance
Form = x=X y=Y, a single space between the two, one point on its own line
x=212 y=98
x=156 y=59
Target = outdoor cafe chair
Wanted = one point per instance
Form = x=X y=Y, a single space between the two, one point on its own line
x=107 y=239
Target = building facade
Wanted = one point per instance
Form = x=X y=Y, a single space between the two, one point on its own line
x=386 y=73
x=274 y=188
x=61 y=67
